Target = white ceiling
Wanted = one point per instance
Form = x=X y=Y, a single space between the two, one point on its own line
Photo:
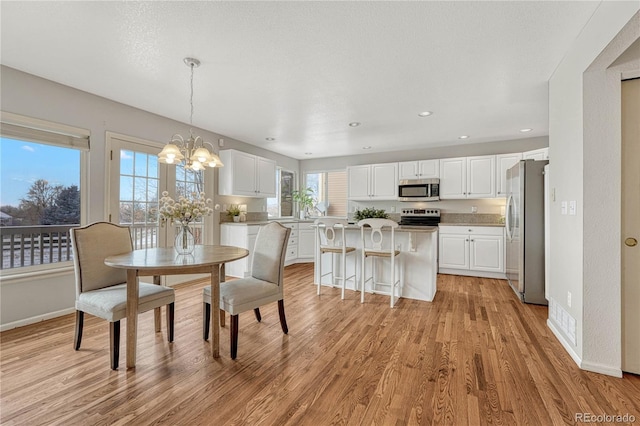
x=301 y=71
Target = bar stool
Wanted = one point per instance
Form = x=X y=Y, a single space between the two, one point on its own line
x=374 y=249
x=330 y=238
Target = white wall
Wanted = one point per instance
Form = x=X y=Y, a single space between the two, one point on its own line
x=584 y=144
x=32 y=298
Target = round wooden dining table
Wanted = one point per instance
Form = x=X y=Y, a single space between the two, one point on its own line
x=165 y=261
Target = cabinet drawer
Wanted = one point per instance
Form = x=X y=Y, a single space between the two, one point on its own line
x=292 y=253
x=471 y=230
x=292 y=241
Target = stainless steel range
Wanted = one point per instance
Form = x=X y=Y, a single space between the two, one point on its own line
x=420 y=217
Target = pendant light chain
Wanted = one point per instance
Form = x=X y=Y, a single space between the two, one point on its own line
x=191 y=98
x=191 y=152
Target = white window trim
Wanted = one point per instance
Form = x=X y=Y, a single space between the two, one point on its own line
x=34 y=271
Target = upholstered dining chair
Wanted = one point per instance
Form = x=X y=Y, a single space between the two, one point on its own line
x=265 y=285
x=102 y=291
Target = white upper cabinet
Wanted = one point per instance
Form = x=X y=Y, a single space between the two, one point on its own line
x=425 y=169
x=453 y=178
x=536 y=154
x=503 y=163
x=373 y=182
x=468 y=177
x=481 y=176
x=246 y=175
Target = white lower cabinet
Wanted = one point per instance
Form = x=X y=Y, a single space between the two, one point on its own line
x=306 y=241
x=300 y=247
x=240 y=236
x=471 y=250
x=292 y=245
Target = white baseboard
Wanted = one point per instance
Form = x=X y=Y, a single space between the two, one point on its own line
x=36 y=319
x=469 y=273
x=565 y=344
x=602 y=369
x=584 y=365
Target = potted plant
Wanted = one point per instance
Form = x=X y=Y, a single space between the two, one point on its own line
x=234 y=212
x=305 y=200
x=370 y=213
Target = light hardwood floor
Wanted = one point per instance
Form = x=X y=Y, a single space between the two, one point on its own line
x=476 y=355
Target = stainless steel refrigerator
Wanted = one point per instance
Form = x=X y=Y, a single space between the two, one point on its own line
x=525 y=230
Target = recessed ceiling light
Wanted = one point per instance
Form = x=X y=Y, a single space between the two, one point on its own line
x=366 y=147
x=270 y=139
x=425 y=114
x=463 y=137
x=525 y=130
x=308 y=153
x=354 y=124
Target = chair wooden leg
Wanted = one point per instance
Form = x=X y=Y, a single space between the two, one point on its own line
x=170 y=316
x=114 y=344
x=206 y=316
x=258 y=316
x=283 y=319
x=222 y=318
x=233 y=334
x=79 y=324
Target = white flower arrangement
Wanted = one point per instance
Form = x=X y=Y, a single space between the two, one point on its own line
x=184 y=211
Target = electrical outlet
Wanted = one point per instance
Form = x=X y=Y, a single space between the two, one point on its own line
x=393 y=209
x=220 y=142
x=474 y=209
x=569 y=299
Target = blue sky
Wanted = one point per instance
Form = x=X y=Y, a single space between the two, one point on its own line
x=22 y=163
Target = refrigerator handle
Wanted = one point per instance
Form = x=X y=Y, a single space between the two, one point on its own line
x=508 y=217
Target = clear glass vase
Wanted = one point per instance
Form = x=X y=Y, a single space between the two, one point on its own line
x=185 y=241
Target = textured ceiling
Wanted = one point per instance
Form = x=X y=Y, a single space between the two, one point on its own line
x=300 y=72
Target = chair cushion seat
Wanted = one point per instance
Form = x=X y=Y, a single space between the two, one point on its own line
x=244 y=294
x=110 y=303
x=329 y=249
x=380 y=253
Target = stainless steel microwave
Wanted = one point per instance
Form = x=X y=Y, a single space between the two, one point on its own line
x=419 y=190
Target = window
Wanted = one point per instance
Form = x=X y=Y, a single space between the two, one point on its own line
x=41 y=176
x=137 y=181
x=330 y=189
x=282 y=205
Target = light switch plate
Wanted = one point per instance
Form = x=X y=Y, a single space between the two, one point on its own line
x=563 y=207
x=572 y=208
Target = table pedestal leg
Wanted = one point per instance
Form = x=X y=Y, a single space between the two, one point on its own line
x=132 y=316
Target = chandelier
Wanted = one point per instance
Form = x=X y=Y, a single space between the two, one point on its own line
x=191 y=151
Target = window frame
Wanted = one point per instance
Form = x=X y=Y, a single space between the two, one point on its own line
x=279 y=170
x=80 y=140
x=304 y=184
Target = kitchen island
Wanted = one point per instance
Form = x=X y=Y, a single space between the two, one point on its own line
x=418 y=260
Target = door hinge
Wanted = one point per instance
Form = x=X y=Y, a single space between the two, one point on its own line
x=111 y=155
x=109 y=217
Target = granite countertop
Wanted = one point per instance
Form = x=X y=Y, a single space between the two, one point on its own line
x=471 y=224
